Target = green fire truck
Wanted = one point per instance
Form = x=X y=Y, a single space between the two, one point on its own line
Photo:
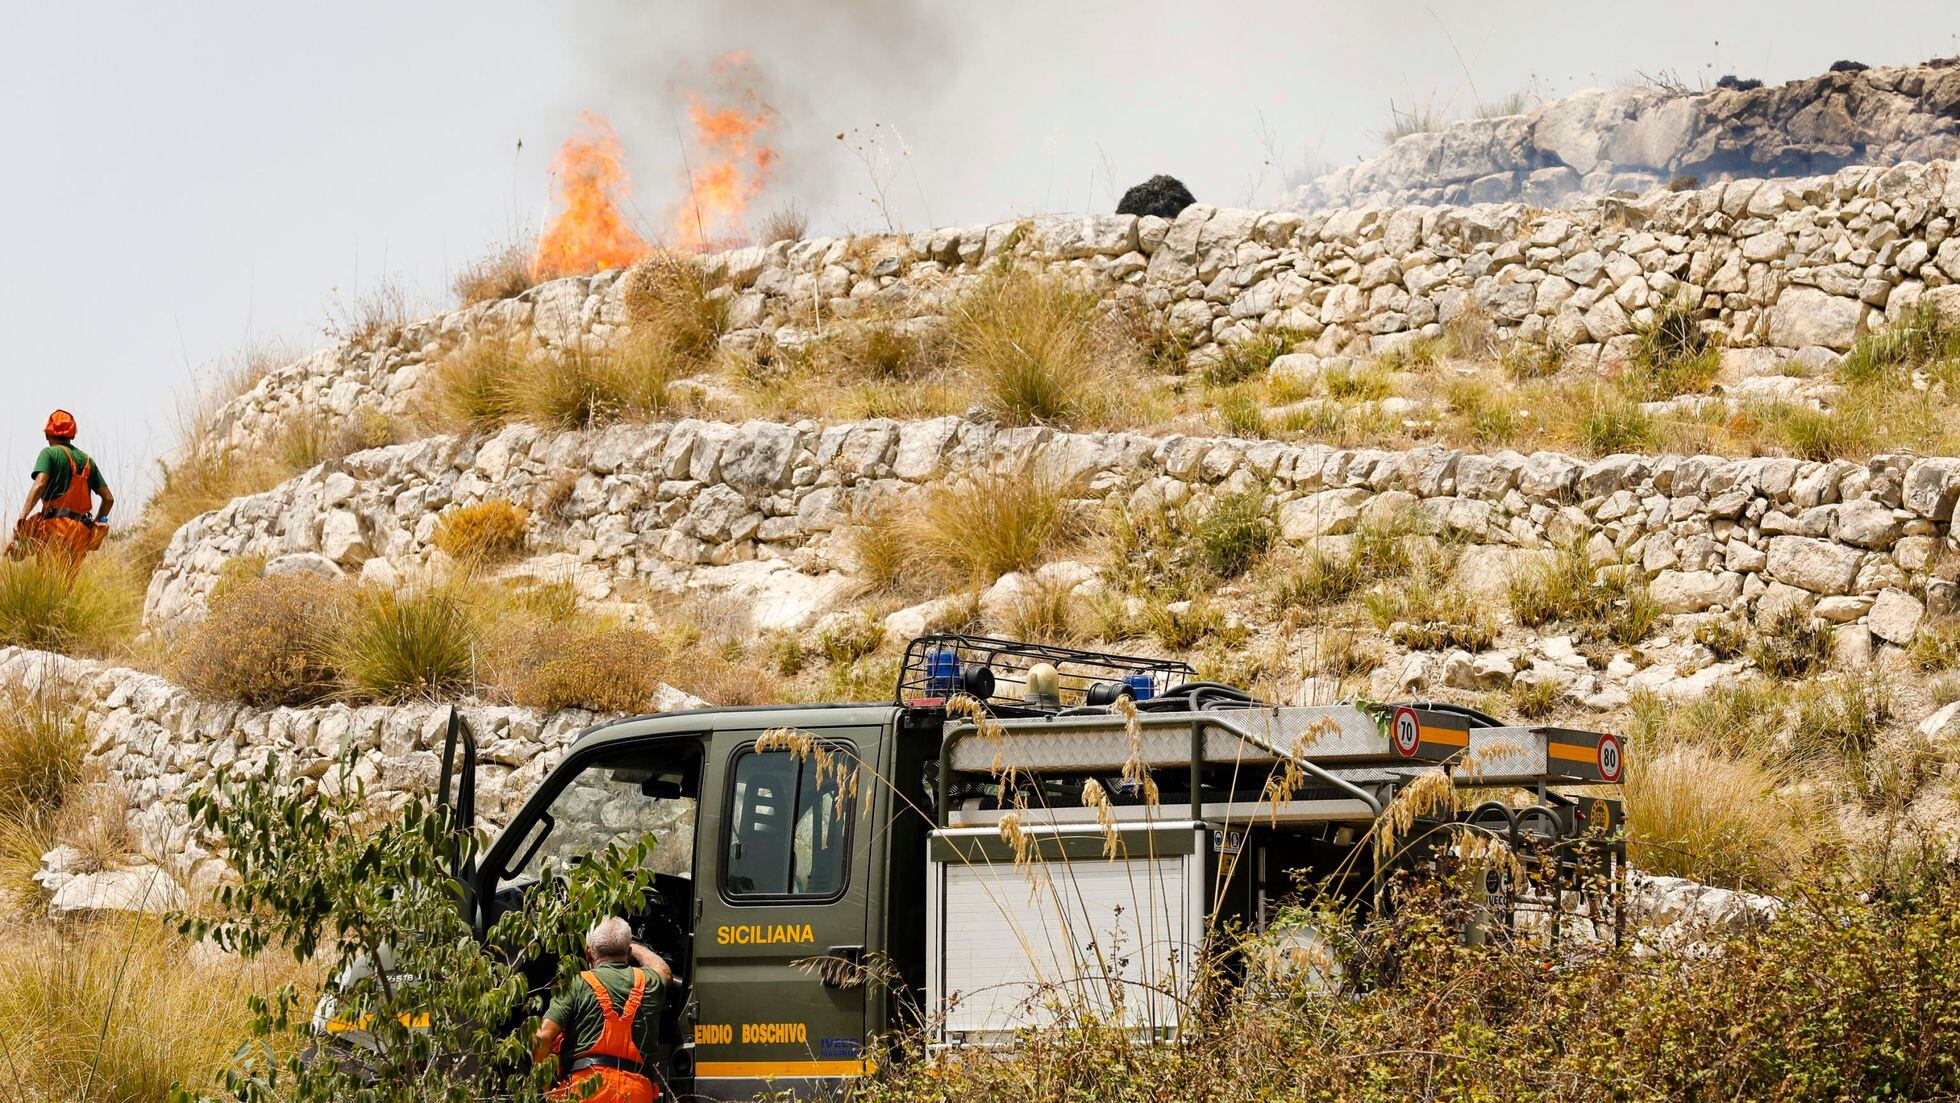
x=1021 y=829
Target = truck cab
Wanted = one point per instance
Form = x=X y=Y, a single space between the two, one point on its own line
x=825 y=874
x=779 y=884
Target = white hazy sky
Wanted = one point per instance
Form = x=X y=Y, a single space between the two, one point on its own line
x=181 y=180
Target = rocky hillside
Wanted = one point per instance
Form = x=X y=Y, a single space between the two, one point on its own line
x=1642 y=136
x=1495 y=453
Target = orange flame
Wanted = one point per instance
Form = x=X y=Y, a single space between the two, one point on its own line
x=740 y=162
x=588 y=233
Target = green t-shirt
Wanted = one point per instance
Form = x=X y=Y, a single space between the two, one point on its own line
x=53 y=462
x=576 y=1009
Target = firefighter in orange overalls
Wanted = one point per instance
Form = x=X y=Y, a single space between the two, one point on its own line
x=65 y=482
x=607 y=1020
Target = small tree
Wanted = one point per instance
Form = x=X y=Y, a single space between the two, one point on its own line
x=420 y=1008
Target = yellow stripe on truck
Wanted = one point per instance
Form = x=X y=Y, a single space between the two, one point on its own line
x=1573 y=753
x=1448 y=737
x=766 y=1070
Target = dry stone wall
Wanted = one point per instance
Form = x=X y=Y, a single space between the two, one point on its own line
x=1645 y=136
x=1783 y=269
x=155 y=741
x=754 y=510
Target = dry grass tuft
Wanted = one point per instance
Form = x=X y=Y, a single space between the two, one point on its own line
x=471 y=390
x=49 y=605
x=42 y=742
x=1038 y=350
x=583 y=662
x=396 y=646
x=136 y=1014
x=786 y=223
x=483 y=532
x=978 y=527
x=1717 y=815
x=669 y=297
x=504 y=274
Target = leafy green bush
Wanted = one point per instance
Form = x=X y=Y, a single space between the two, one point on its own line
x=318 y=874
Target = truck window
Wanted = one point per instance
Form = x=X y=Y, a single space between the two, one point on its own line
x=616 y=799
x=787 y=829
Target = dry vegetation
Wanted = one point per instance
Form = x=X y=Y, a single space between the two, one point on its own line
x=504 y=274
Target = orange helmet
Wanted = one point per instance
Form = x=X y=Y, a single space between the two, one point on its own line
x=61 y=423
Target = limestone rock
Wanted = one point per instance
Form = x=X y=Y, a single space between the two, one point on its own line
x=1895 y=616
x=1805 y=317
x=1819 y=566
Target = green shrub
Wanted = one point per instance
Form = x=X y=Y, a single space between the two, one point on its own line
x=1792 y=645
x=1427 y=611
x=1724 y=637
x=1672 y=356
x=1611 y=603
x=395 y=646
x=1242 y=360
x=319 y=878
x=849 y=638
x=1852 y=427
x=484 y=531
x=1841 y=718
x=1535 y=699
x=1366 y=382
x=1914 y=342
x=1236 y=531
x=1526 y=360
x=1379 y=550
x=1611 y=423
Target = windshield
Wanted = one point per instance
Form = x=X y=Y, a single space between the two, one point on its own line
x=615 y=800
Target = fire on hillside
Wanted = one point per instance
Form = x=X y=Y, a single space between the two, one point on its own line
x=590 y=231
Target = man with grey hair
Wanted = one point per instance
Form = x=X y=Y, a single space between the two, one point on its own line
x=607 y=1020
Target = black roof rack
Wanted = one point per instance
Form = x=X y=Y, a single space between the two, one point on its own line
x=995 y=672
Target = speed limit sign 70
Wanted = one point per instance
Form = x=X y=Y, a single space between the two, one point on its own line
x=1407 y=732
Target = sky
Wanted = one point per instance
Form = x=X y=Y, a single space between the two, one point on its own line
x=183 y=182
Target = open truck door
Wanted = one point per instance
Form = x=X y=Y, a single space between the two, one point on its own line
x=643 y=780
x=779 y=963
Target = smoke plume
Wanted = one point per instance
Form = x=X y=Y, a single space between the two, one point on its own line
x=822 y=69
